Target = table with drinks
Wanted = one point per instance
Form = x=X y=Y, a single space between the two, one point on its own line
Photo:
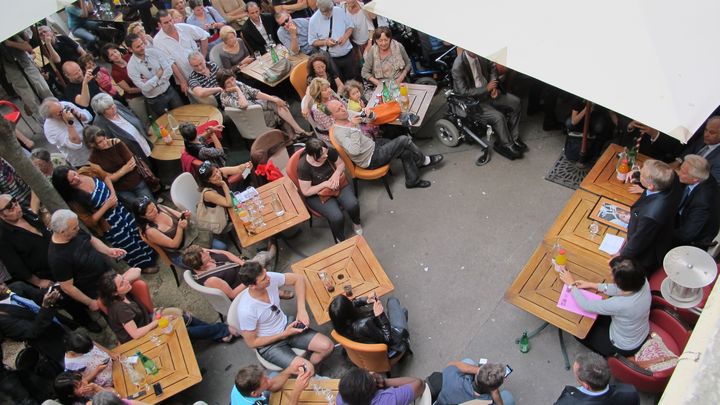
x=260 y=65
x=318 y=391
x=166 y=364
x=349 y=267
x=413 y=98
x=578 y=233
x=168 y=143
x=258 y=214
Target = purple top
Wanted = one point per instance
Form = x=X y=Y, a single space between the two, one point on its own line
x=402 y=395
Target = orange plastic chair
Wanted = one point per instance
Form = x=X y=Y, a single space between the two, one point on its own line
x=140 y=291
x=372 y=357
x=163 y=256
x=291 y=171
x=15 y=115
x=298 y=78
x=358 y=173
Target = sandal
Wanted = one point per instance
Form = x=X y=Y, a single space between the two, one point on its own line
x=287 y=295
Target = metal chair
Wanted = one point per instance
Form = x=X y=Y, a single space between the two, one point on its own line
x=184 y=193
x=358 y=173
x=216 y=298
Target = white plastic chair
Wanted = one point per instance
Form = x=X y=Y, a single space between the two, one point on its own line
x=425 y=398
x=214 y=55
x=216 y=298
x=184 y=193
x=232 y=320
x=250 y=122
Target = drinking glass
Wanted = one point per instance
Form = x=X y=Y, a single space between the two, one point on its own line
x=277 y=205
x=258 y=57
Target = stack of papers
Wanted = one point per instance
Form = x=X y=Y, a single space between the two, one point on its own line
x=611 y=244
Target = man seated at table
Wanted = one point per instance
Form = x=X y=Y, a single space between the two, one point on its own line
x=266 y=328
x=253 y=386
x=593 y=374
x=652 y=217
x=293 y=33
x=370 y=154
x=698 y=216
x=359 y=386
x=464 y=381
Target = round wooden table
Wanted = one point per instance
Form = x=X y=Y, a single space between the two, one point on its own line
x=193 y=113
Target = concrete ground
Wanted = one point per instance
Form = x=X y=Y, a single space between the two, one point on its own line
x=451 y=251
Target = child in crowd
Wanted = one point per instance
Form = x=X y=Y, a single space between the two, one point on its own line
x=352 y=92
x=89 y=358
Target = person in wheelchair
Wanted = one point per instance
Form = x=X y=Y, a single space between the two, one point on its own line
x=477 y=78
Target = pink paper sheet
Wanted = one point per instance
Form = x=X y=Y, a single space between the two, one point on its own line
x=568 y=303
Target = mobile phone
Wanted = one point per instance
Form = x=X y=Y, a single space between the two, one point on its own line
x=106 y=361
x=96 y=70
x=184 y=215
x=300 y=325
x=508 y=370
x=157 y=388
x=246 y=172
x=137 y=395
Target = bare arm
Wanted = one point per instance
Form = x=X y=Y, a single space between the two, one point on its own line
x=222 y=285
x=132 y=329
x=253 y=341
x=214 y=197
x=128 y=89
x=464 y=367
x=69 y=288
x=298 y=282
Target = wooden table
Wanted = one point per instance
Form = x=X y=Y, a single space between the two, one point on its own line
x=602 y=179
x=420 y=96
x=308 y=395
x=537 y=288
x=174 y=357
x=351 y=261
x=256 y=69
x=295 y=212
x=193 y=113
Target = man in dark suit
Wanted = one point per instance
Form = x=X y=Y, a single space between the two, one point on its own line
x=707 y=145
x=652 y=217
x=593 y=374
x=259 y=28
x=477 y=78
x=698 y=217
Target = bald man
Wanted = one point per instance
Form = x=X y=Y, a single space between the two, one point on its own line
x=706 y=144
x=81 y=87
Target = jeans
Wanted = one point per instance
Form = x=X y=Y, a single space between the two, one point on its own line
x=506 y=396
x=128 y=197
x=397 y=314
x=198 y=329
x=86 y=32
x=332 y=210
x=402 y=147
x=168 y=100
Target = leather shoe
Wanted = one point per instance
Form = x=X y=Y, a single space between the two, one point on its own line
x=521 y=145
x=150 y=270
x=484 y=158
x=434 y=159
x=507 y=151
x=419 y=184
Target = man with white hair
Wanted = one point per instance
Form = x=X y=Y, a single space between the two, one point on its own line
x=330 y=30
x=202 y=81
x=698 y=216
x=177 y=41
x=78 y=259
x=63 y=127
x=707 y=145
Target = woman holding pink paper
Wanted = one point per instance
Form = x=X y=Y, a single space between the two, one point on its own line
x=623 y=322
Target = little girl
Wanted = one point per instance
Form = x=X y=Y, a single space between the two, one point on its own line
x=89 y=358
x=352 y=92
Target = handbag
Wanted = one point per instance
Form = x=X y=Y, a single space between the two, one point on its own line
x=327 y=193
x=212 y=219
x=386 y=112
x=277 y=71
x=147 y=175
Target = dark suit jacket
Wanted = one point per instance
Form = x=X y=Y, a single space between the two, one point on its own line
x=112 y=130
x=620 y=394
x=463 y=82
x=652 y=220
x=21 y=324
x=695 y=144
x=700 y=217
x=665 y=147
x=252 y=36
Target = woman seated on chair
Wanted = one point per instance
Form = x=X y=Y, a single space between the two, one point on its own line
x=237 y=94
x=321 y=93
x=206 y=146
x=171 y=230
x=386 y=59
x=321 y=175
x=623 y=323
x=363 y=320
x=129 y=319
x=220 y=269
x=318 y=66
x=215 y=192
x=233 y=54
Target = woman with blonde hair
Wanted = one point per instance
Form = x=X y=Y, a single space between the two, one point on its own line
x=233 y=53
x=138 y=29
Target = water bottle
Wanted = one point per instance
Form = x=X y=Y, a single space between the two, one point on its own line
x=524 y=343
x=386 y=96
x=155 y=128
x=273 y=54
x=149 y=365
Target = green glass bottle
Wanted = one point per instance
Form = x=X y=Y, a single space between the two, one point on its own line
x=524 y=343
x=148 y=364
x=155 y=128
x=386 y=92
x=273 y=54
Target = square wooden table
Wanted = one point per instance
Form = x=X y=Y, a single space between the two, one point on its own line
x=308 y=395
x=537 y=288
x=420 y=96
x=295 y=212
x=348 y=262
x=257 y=67
x=602 y=179
x=175 y=358
x=193 y=113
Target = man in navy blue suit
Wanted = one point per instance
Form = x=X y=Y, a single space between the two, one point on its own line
x=698 y=217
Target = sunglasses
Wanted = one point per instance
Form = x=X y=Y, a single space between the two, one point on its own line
x=287 y=20
x=274 y=308
x=9 y=205
x=204 y=167
x=144 y=203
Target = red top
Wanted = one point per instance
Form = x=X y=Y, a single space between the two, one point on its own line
x=120 y=74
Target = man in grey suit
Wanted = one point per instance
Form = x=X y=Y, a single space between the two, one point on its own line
x=707 y=145
x=477 y=77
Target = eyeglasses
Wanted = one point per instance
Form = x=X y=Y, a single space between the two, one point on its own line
x=274 y=308
x=10 y=205
x=204 y=167
x=287 y=20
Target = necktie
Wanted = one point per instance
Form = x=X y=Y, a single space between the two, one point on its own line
x=685 y=195
x=28 y=304
x=703 y=151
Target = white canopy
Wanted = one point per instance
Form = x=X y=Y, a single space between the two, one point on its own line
x=655 y=61
x=20 y=14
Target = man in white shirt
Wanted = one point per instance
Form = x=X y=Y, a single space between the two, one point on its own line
x=150 y=70
x=178 y=41
x=64 y=122
x=265 y=327
x=330 y=30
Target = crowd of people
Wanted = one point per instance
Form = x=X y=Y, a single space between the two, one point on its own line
x=97 y=110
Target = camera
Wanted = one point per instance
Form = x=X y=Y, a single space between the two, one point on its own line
x=70 y=110
x=96 y=70
x=366 y=118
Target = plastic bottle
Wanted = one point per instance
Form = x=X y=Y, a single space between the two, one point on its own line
x=560 y=261
x=149 y=365
x=273 y=54
x=164 y=324
x=386 y=92
x=524 y=343
x=404 y=99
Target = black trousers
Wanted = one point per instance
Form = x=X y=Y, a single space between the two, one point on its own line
x=598 y=339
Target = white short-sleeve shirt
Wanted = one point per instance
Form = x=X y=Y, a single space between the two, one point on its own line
x=178 y=51
x=258 y=315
